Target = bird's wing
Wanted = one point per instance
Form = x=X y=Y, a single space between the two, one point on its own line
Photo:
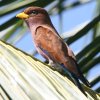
x=70 y=52
x=54 y=48
x=50 y=44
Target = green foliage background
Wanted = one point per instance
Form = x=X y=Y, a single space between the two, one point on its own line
x=87 y=57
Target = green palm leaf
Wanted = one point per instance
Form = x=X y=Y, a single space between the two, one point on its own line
x=27 y=78
x=18 y=61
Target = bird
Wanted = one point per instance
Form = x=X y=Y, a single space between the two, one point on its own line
x=49 y=44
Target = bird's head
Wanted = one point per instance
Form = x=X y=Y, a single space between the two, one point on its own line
x=34 y=16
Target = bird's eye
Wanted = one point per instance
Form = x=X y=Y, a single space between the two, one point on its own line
x=34 y=12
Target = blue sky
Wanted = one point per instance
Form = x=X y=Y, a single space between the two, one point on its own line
x=71 y=19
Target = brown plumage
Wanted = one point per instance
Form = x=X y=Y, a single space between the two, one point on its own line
x=48 y=42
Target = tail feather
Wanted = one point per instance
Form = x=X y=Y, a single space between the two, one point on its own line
x=73 y=67
x=81 y=77
x=75 y=79
x=84 y=80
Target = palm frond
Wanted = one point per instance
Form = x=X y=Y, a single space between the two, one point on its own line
x=28 y=78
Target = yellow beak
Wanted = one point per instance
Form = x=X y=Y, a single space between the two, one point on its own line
x=22 y=15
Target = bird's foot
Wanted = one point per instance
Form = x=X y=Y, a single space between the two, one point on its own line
x=55 y=66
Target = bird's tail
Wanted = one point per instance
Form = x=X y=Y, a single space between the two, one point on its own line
x=73 y=67
x=76 y=81
x=81 y=77
x=84 y=80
